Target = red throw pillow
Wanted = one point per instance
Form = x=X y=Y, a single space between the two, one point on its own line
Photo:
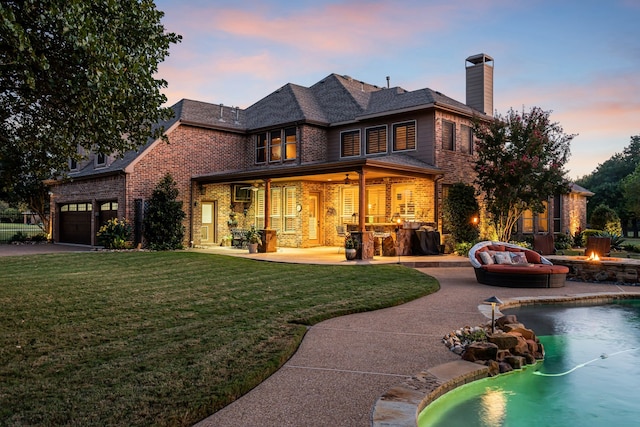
x=533 y=257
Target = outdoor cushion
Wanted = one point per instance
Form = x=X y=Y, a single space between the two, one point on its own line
x=502 y=258
x=518 y=258
x=485 y=257
x=526 y=269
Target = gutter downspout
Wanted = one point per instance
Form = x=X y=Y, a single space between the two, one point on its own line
x=436 y=199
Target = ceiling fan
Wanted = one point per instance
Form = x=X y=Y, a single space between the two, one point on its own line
x=253 y=187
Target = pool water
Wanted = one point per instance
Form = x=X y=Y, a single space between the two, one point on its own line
x=589 y=376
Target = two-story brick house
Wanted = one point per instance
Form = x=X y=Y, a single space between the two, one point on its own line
x=300 y=161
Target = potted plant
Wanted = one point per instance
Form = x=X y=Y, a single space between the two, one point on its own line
x=253 y=238
x=226 y=240
x=350 y=246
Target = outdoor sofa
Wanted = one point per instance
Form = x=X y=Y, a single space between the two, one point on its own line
x=509 y=265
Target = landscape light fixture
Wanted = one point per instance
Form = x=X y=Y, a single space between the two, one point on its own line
x=493 y=300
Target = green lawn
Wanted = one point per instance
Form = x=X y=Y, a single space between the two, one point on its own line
x=143 y=338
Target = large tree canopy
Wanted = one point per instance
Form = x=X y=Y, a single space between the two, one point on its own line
x=76 y=73
x=520 y=164
x=605 y=182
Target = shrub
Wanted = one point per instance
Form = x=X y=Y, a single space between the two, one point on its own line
x=577 y=238
x=460 y=207
x=19 y=237
x=563 y=241
x=631 y=248
x=115 y=234
x=40 y=237
x=463 y=248
x=163 y=218
x=616 y=240
x=606 y=219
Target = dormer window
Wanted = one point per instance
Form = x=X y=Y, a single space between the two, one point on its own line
x=73 y=164
x=101 y=160
x=277 y=146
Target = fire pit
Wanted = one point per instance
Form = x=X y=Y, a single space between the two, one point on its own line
x=594 y=268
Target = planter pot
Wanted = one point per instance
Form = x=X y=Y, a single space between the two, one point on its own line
x=253 y=248
x=350 y=254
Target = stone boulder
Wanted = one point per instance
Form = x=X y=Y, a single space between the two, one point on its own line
x=504 y=341
x=480 y=350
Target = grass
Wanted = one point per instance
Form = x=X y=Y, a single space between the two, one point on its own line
x=143 y=338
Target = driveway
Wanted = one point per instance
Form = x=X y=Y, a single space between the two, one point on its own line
x=43 y=248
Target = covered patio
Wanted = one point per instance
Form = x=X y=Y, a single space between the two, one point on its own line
x=307 y=206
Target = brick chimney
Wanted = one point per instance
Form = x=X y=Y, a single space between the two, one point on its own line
x=480 y=83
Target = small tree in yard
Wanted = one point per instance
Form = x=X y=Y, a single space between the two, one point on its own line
x=606 y=219
x=460 y=207
x=520 y=165
x=163 y=226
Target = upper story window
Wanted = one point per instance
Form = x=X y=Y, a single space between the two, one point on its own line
x=73 y=164
x=377 y=140
x=350 y=143
x=261 y=148
x=404 y=136
x=290 y=144
x=101 y=159
x=277 y=146
x=448 y=135
x=466 y=139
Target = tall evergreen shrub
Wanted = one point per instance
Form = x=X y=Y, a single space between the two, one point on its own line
x=606 y=219
x=460 y=207
x=163 y=218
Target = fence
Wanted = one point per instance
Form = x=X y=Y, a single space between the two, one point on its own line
x=19 y=226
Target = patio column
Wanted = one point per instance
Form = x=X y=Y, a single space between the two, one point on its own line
x=267 y=204
x=362 y=201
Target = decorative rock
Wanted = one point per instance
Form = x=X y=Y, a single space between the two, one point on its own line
x=480 y=351
x=494 y=368
x=516 y=362
x=504 y=341
x=505 y=367
x=526 y=333
x=521 y=348
x=504 y=320
x=508 y=327
x=530 y=359
x=458 y=349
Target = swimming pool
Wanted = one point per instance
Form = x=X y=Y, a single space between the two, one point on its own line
x=588 y=378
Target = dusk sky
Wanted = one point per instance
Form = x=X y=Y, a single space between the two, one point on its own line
x=578 y=58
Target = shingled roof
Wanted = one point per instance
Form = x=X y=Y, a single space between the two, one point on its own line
x=334 y=99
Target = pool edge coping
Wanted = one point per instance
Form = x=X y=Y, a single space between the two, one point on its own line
x=401 y=404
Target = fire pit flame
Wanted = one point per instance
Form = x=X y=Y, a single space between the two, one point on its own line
x=593 y=257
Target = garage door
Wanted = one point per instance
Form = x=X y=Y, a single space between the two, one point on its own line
x=75 y=223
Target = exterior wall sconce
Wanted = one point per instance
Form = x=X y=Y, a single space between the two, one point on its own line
x=475 y=220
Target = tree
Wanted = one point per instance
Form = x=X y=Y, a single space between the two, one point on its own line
x=606 y=219
x=520 y=165
x=163 y=226
x=459 y=210
x=75 y=74
x=606 y=182
x=631 y=191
